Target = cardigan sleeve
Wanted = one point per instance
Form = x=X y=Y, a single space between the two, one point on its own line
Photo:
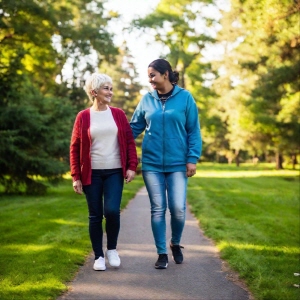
x=132 y=160
x=75 y=149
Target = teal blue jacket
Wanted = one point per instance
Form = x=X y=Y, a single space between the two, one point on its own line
x=172 y=131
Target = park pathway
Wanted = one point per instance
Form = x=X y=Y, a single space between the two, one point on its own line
x=201 y=275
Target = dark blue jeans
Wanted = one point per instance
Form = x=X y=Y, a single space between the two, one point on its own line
x=103 y=197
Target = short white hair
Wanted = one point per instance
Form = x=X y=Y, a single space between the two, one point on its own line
x=95 y=82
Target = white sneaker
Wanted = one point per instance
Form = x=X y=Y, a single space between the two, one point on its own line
x=99 y=264
x=113 y=258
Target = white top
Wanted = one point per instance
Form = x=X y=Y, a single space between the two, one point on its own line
x=105 y=149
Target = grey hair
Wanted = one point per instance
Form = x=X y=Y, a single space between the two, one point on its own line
x=95 y=82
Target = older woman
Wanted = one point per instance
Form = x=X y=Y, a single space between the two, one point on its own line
x=102 y=154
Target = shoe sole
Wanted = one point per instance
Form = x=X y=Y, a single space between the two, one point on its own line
x=117 y=266
x=161 y=267
x=114 y=265
x=99 y=269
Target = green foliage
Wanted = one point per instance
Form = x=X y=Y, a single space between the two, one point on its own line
x=249 y=95
x=175 y=25
x=184 y=30
x=252 y=214
x=125 y=87
x=34 y=141
x=36 y=113
x=261 y=69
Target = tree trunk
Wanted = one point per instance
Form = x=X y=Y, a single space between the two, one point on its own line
x=237 y=157
x=255 y=159
x=182 y=78
x=279 y=161
x=294 y=161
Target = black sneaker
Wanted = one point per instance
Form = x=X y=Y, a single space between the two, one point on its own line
x=162 y=261
x=176 y=253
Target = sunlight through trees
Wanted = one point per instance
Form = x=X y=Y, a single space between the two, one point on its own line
x=239 y=58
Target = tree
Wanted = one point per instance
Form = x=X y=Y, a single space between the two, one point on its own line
x=175 y=24
x=34 y=141
x=261 y=69
x=185 y=28
x=125 y=80
x=37 y=38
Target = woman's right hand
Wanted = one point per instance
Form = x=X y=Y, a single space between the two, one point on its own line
x=77 y=187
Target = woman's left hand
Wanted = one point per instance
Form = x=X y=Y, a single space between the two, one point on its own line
x=190 y=169
x=129 y=176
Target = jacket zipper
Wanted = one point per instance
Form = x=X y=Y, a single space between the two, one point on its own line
x=163 y=104
x=163 y=109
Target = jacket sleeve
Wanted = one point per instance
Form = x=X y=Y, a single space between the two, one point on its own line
x=193 y=132
x=138 y=122
x=75 y=149
x=132 y=160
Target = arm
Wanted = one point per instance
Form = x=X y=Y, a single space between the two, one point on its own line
x=138 y=122
x=75 y=156
x=132 y=160
x=194 y=137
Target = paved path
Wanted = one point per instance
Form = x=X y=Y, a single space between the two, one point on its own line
x=199 y=277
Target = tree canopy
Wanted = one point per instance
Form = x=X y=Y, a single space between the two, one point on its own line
x=261 y=69
x=239 y=58
x=248 y=96
x=36 y=113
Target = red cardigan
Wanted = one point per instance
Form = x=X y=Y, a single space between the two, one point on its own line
x=80 y=147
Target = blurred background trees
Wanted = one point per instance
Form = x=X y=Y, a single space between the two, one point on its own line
x=261 y=67
x=37 y=106
x=248 y=94
x=239 y=58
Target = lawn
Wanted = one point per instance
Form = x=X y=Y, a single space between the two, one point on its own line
x=252 y=214
x=44 y=240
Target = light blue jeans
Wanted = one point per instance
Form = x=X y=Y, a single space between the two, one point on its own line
x=166 y=190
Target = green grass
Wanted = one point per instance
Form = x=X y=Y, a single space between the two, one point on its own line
x=252 y=213
x=44 y=239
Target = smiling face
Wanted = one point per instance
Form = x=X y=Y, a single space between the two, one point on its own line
x=158 y=81
x=104 y=94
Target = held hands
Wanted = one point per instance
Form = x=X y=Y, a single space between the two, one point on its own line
x=190 y=169
x=77 y=187
x=129 y=176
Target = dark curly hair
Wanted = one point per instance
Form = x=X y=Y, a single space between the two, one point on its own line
x=162 y=65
